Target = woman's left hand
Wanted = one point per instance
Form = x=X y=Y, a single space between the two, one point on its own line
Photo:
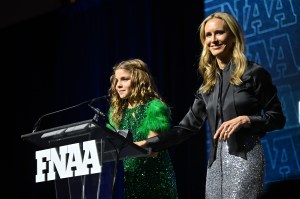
x=229 y=127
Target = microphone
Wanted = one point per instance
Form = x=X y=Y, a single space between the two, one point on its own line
x=99 y=112
x=38 y=122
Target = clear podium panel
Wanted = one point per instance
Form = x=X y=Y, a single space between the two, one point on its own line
x=111 y=146
x=84 y=131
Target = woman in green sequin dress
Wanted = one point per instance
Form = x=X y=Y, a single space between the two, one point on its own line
x=136 y=106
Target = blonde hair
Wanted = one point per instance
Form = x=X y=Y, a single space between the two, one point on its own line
x=208 y=64
x=142 y=84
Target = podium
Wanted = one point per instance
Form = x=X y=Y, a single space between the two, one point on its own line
x=111 y=146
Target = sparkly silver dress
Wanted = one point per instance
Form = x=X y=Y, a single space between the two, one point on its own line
x=231 y=176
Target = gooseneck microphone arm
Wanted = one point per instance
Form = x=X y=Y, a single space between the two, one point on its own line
x=100 y=113
x=38 y=122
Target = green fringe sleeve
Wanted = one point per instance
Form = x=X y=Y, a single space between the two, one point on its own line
x=157 y=118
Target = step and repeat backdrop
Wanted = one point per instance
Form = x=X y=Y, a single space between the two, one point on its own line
x=271 y=30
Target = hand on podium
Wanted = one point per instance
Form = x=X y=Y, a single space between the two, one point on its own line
x=143 y=144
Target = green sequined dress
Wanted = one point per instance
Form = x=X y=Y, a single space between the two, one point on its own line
x=147 y=177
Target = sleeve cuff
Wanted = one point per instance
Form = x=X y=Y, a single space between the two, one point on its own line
x=152 y=140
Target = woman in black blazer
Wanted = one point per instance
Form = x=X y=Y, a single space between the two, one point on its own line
x=239 y=101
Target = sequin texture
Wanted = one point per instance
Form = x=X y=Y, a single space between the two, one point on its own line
x=146 y=177
x=233 y=177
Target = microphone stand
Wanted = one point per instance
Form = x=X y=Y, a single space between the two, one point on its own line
x=38 y=122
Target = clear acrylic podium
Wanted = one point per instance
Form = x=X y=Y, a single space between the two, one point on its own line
x=111 y=146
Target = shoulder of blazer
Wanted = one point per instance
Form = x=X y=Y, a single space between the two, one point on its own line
x=256 y=72
x=254 y=69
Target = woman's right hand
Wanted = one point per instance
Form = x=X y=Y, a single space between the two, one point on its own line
x=143 y=144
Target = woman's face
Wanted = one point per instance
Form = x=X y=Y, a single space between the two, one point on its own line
x=219 y=39
x=123 y=84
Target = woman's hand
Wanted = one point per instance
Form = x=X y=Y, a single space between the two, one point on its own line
x=143 y=144
x=231 y=126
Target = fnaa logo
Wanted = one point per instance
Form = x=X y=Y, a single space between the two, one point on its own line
x=67 y=161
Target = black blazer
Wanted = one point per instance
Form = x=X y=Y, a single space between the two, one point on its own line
x=256 y=97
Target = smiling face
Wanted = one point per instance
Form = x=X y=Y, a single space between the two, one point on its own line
x=219 y=40
x=123 y=83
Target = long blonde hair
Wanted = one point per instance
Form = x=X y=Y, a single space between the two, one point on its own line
x=142 y=84
x=208 y=64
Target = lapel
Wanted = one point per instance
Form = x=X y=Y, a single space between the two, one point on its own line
x=229 y=111
x=214 y=101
